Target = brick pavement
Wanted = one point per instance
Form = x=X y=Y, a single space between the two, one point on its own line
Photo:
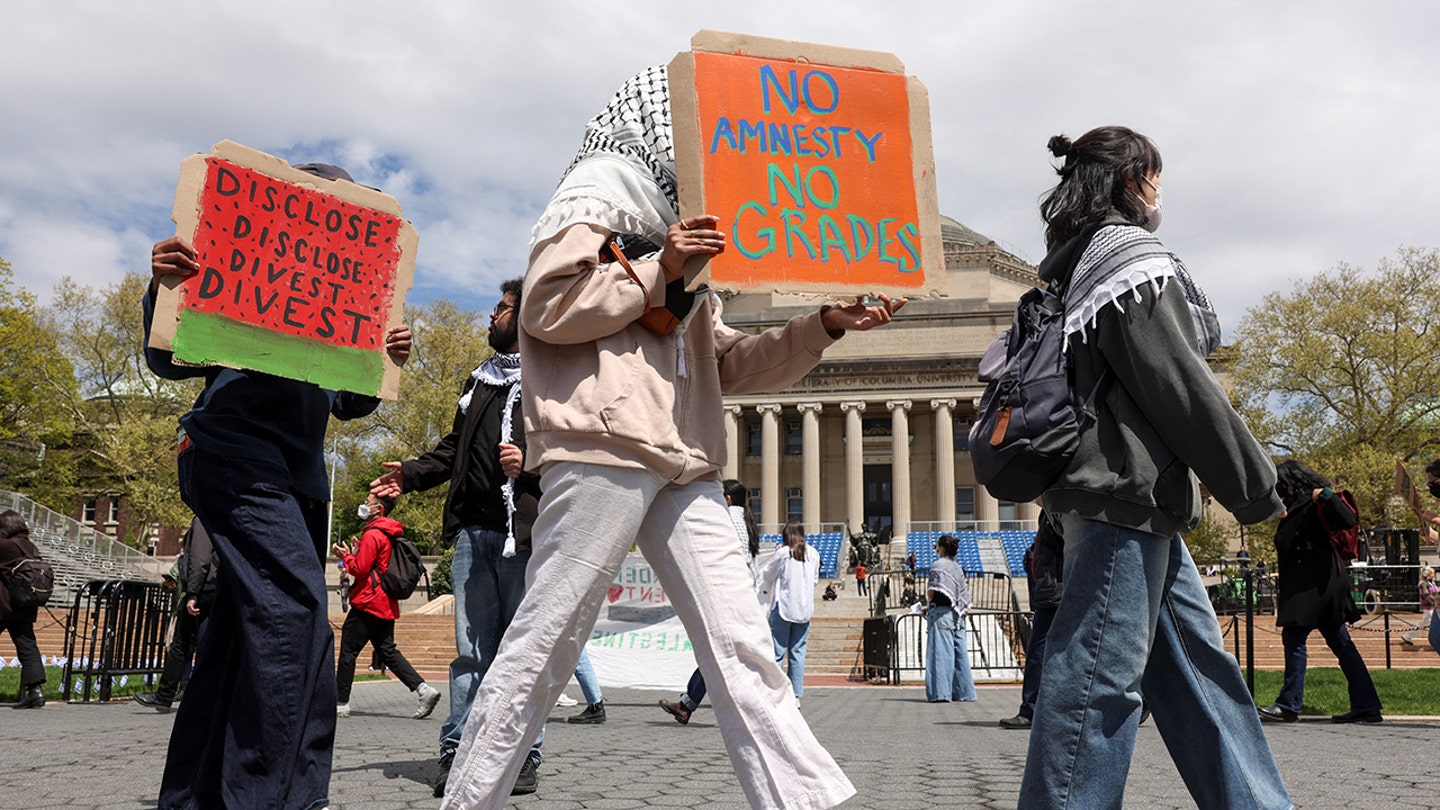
x=900 y=751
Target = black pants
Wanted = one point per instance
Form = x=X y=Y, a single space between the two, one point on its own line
x=359 y=629
x=32 y=669
x=179 y=653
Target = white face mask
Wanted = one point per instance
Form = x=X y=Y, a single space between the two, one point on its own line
x=363 y=511
x=1152 y=213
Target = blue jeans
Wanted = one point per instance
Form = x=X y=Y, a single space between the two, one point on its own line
x=1035 y=660
x=947 y=659
x=1135 y=619
x=694 y=691
x=790 y=639
x=585 y=676
x=1363 y=696
x=488 y=588
x=257 y=726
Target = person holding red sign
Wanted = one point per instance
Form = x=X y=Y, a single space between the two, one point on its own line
x=257 y=726
x=624 y=421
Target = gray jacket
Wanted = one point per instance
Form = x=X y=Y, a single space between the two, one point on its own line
x=1159 y=419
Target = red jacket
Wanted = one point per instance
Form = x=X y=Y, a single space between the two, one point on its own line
x=371 y=558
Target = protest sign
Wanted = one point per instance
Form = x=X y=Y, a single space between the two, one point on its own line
x=818 y=162
x=300 y=277
x=1405 y=485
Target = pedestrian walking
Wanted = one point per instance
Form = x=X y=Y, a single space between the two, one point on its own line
x=1313 y=593
x=1134 y=617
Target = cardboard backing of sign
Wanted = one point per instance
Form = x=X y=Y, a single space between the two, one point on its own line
x=301 y=277
x=1405 y=485
x=818 y=161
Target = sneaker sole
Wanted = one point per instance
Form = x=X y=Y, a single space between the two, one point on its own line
x=428 y=707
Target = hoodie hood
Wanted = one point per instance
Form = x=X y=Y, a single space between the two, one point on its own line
x=390 y=526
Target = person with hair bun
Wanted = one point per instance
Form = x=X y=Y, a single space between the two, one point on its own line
x=1134 y=618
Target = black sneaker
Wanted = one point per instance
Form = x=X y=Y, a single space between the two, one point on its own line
x=447 y=758
x=1358 y=716
x=150 y=699
x=1018 y=721
x=593 y=714
x=528 y=779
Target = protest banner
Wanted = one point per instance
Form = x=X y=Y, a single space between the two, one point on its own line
x=817 y=160
x=638 y=641
x=300 y=277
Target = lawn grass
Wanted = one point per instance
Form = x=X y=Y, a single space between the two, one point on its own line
x=1402 y=691
x=10 y=685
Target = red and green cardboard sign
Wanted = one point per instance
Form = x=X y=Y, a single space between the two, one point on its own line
x=300 y=276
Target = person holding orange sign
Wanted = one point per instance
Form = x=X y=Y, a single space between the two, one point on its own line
x=624 y=420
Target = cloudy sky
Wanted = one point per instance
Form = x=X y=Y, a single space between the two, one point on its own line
x=1295 y=135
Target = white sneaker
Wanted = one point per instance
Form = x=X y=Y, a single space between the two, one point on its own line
x=342 y=710
x=566 y=700
x=427 y=696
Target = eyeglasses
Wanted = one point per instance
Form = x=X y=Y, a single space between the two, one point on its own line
x=500 y=309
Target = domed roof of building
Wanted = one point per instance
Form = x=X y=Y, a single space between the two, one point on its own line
x=953 y=232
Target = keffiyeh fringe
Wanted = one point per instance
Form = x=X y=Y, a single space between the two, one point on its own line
x=1119 y=261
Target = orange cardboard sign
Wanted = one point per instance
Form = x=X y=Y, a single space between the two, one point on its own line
x=817 y=161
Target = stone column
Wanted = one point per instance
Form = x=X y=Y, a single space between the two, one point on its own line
x=854 y=465
x=769 y=464
x=900 y=466
x=944 y=458
x=732 y=441
x=987 y=509
x=810 y=461
x=1028 y=511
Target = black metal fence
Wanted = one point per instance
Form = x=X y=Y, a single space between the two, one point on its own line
x=1384 y=584
x=115 y=628
x=996 y=630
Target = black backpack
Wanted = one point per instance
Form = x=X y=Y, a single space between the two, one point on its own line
x=1029 y=421
x=32 y=581
x=405 y=569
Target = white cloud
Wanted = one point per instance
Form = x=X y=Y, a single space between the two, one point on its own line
x=1295 y=136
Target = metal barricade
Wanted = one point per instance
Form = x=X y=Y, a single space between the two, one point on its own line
x=115 y=628
x=995 y=641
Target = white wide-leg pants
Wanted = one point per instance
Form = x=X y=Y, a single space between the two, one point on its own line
x=589 y=516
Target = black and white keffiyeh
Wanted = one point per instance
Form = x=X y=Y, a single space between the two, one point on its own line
x=1119 y=259
x=501 y=369
x=623 y=177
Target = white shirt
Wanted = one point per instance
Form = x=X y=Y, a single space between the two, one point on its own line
x=789 y=584
x=737 y=518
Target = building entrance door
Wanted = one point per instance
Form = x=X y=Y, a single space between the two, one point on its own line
x=879 y=503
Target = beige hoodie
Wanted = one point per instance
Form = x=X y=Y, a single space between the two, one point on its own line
x=600 y=388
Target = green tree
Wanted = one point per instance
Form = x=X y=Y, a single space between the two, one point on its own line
x=448 y=344
x=125 y=416
x=33 y=372
x=1210 y=539
x=1344 y=373
x=34 y=375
